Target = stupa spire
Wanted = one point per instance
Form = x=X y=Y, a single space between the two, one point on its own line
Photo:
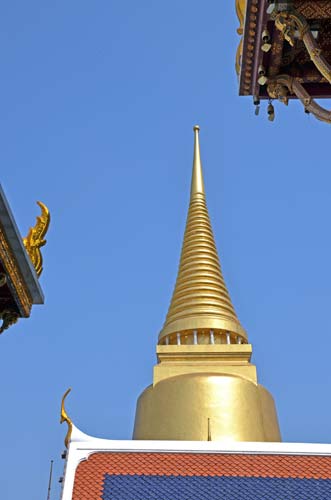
x=204 y=385
x=200 y=302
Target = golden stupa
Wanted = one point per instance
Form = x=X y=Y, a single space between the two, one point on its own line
x=204 y=385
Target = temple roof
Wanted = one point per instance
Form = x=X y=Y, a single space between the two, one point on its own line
x=19 y=284
x=14 y=239
x=160 y=470
x=285 y=52
x=137 y=476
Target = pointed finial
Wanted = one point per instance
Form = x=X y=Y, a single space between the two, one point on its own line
x=66 y=418
x=200 y=301
x=197 y=185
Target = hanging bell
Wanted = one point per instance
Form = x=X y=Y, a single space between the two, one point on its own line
x=271 y=112
x=266 y=45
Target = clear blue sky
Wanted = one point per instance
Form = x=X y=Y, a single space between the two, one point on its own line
x=98 y=99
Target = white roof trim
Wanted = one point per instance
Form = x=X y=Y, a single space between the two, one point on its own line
x=82 y=446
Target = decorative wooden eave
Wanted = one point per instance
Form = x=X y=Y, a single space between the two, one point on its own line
x=266 y=51
x=249 y=49
x=255 y=22
x=19 y=285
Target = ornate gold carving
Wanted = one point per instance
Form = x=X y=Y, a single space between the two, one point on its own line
x=285 y=23
x=276 y=91
x=291 y=22
x=65 y=418
x=9 y=262
x=8 y=317
x=240 y=10
x=35 y=238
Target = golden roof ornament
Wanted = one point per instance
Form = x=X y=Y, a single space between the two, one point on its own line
x=35 y=238
x=200 y=300
x=66 y=418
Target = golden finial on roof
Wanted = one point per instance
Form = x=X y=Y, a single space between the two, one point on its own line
x=200 y=301
x=35 y=238
x=65 y=418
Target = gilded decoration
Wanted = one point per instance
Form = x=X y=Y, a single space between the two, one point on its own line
x=290 y=23
x=14 y=275
x=297 y=32
x=35 y=238
x=66 y=418
x=281 y=85
x=240 y=10
x=297 y=37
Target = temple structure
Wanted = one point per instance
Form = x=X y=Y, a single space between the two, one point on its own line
x=285 y=52
x=205 y=428
x=204 y=381
x=20 y=265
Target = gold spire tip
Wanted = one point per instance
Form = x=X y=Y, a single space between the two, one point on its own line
x=197 y=185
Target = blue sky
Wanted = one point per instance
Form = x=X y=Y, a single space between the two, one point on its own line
x=97 y=104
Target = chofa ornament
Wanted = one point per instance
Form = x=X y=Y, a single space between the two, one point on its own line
x=35 y=238
x=66 y=418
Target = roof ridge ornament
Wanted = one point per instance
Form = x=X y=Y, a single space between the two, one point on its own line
x=35 y=238
x=66 y=418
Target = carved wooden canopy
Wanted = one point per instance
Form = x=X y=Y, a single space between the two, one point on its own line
x=259 y=28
